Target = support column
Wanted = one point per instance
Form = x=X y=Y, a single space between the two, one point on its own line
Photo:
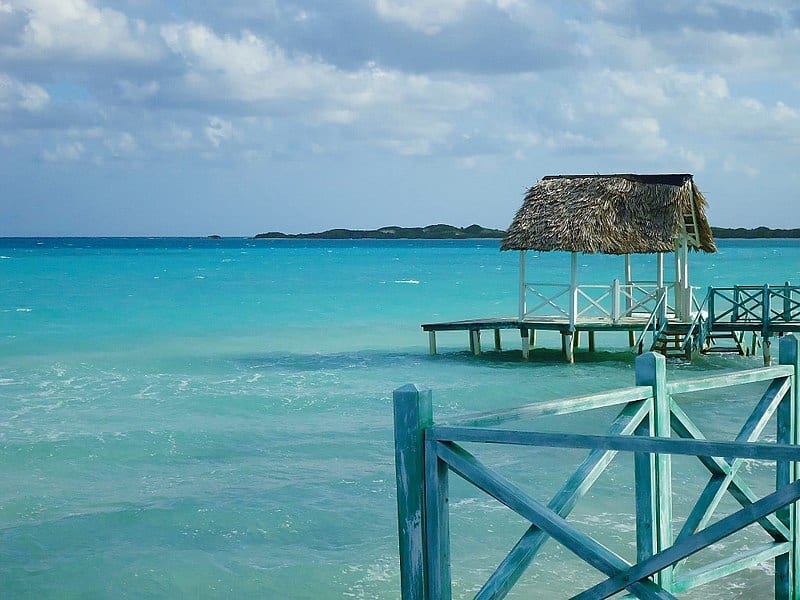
x=568 y=343
x=497 y=344
x=526 y=349
x=591 y=341
x=651 y=370
x=432 y=342
x=413 y=413
x=628 y=282
x=475 y=336
x=573 y=292
x=522 y=307
x=787 y=570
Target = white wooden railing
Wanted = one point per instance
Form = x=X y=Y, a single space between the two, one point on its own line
x=613 y=302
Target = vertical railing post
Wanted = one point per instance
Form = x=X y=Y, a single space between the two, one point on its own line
x=765 y=329
x=573 y=292
x=413 y=413
x=787 y=567
x=437 y=519
x=710 y=307
x=736 y=304
x=522 y=288
x=615 y=301
x=651 y=370
x=787 y=302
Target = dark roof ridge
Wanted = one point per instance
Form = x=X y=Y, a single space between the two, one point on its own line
x=665 y=178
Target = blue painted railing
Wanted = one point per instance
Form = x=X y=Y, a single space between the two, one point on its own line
x=650 y=415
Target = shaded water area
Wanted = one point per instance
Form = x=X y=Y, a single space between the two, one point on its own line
x=212 y=418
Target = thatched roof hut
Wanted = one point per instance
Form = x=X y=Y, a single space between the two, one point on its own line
x=611 y=214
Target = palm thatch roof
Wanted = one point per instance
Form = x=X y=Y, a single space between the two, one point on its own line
x=611 y=214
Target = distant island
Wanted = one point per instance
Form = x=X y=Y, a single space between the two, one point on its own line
x=756 y=233
x=431 y=232
x=450 y=232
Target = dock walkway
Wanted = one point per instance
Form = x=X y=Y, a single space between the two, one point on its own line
x=725 y=313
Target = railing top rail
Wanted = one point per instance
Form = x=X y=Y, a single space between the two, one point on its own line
x=729 y=379
x=561 y=406
x=624 y=443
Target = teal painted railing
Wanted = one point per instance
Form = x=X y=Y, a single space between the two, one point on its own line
x=653 y=426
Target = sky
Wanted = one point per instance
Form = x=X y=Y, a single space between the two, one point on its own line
x=199 y=117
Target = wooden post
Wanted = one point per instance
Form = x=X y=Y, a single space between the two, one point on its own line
x=432 y=342
x=437 y=524
x=533 y=338
x=475 y=336
x=526 y=349
x=736 y=302
x=568 y=341
x=631 y=338
x=787 y=566
x=497 y=342
x=591 y=341
x=576 y=339
x=679 y=278
x=615 y=303
x=662 y=293
x=651 y=370
x=412 y=414
x=573 y=292
x=787 y=302
x=765 y=350
x=522 y=307
x=628 y=283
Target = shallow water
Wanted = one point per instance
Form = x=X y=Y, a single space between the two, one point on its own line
x=212 y=419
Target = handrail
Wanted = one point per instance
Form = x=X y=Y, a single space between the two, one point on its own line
x=653 y=426
x=698 y=318
x=649 y=321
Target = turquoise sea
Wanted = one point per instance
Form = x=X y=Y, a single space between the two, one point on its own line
x=192 y=418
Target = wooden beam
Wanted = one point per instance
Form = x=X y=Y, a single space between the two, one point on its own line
x=497 y=341
x=432 y=342
x=412 y=414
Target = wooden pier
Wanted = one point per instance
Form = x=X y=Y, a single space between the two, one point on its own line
x=726 y=313
x=653 y=426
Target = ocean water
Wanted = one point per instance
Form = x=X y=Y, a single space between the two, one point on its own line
x=191 y=418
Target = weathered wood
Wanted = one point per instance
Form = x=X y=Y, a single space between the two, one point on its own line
x=497 y=341
x=651 y=370
x=569 y=344
x=498 y=487
x=789 y=355
x=437 y=525
x=656 y=445
x=645 y=488
x=712 y=534
x=432 y=342
x=718 y=484
x=522 y=307
x=526 y=348
x=412 y=414
x=475 y=336
x=729 y=565
x=727 y=380
x=562 y=406
x=584 y=477
x=720 y=468
x=591 y=341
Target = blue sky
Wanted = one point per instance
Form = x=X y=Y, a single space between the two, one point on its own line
x=140 y=117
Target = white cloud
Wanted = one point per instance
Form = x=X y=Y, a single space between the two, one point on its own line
x=422 y=15
x=218 y=131
x=78 y=30
x=18 y=94
x=68 y=152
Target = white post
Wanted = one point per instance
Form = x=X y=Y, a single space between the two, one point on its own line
x=614 y=302
x=573 y=290
x=660 y=286
x=678 y=280
x=522 y=307
x=628 y=282
x=687 y=288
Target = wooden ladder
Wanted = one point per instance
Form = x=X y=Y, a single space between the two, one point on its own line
x=669 y=343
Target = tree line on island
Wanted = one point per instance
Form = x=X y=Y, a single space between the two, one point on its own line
x=450 y=232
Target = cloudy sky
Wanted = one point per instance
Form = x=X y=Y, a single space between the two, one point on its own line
x=192 y=117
